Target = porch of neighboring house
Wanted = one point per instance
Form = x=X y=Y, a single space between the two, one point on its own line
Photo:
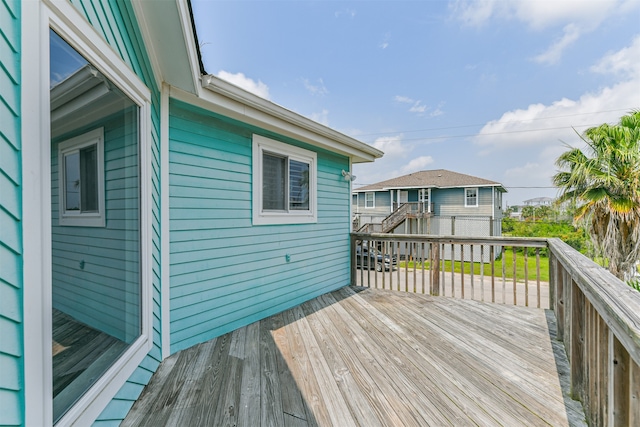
x=368 y=357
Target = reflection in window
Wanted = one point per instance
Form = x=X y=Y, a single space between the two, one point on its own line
x=95 y=217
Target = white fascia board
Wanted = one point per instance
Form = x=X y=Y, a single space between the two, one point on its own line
x=415 y=187
x=227 y=99
x=168 y=35
x=471 y=186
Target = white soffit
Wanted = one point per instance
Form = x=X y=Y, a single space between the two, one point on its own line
x=168 y=34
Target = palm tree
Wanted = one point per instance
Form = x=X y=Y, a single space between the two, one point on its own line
x=604 y=181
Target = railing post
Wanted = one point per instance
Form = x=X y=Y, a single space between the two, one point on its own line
x=577 y=355
x=435 y=269
x=552 y=279
x=353 y=261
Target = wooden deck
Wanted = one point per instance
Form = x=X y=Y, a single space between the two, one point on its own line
x=370 y=357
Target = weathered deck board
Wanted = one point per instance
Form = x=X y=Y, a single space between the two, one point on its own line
x=367 y=357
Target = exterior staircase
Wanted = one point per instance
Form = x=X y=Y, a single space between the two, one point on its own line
x=397 y=217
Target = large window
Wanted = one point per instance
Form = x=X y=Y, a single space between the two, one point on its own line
x=96 y=239
x=284 y=183
x=471 y=197
x=81 y=189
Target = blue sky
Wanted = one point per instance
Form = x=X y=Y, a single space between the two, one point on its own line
x=490 y=88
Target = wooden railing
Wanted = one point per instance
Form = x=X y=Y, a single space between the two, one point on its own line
x=598 y=316
x=599 y=322
x=465 y=267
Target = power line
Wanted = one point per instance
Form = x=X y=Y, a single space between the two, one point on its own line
x=495 y=133
x=498 y=122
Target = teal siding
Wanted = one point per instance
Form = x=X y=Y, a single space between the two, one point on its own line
x=116 y=22
x=226 y=273
x=11 y=262
x=89 y=273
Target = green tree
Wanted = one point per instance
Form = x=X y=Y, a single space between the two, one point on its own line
x=604 y=181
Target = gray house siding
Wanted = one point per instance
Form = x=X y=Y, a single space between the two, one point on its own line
x=450 y=202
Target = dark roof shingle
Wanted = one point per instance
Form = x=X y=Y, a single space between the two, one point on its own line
x=438 y=178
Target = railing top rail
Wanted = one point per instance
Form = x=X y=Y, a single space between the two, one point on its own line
x=617 y=303
x=427 y=238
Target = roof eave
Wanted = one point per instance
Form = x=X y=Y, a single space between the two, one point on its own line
x=235 y=102
x=168 y=33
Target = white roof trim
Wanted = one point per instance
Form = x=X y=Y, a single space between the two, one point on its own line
x=224 y=98
x=411 y=187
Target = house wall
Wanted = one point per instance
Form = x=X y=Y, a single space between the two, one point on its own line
x=11 y=261
x=225 y=272
x=450 y=202
x=116 y=23
x=373 y=215
x=91 y=277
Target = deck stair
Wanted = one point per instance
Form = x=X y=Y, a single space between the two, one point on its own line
x=396 y=218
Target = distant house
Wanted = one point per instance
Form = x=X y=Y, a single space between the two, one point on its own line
x=431 y=202
x=539 y=201
x=145 y=205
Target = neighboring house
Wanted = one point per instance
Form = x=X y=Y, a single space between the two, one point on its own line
x=431 y=202
x=539 y=201
x=140 y=209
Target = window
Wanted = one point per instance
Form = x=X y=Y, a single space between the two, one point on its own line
x=470 y=197
x=369 y=200
x=423 y=197
x=99 y=271
x=81 y=180
x=284 y=183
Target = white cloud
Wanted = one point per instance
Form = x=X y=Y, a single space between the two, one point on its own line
x=438 y=111
x=543 y=125
x=385 y=41
x=403 y=99
x=554 y=53
x=244 y=82
x=349 y=13
x=391 y=145
x=417 y=106
x=624 y=63
x=321 y=117
x=540 y=132
x=315 y=89
x=417 y=164
x=539 y=14
x=577 y=17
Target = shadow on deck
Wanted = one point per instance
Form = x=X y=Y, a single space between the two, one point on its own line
x=369 y=357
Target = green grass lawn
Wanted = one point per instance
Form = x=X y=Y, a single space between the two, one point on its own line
x=531 y=265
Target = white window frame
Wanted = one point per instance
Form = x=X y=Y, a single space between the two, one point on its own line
x=261 y=216
x=373 y=200
x=466 y=197
x=78 y=218
x=66 y=21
